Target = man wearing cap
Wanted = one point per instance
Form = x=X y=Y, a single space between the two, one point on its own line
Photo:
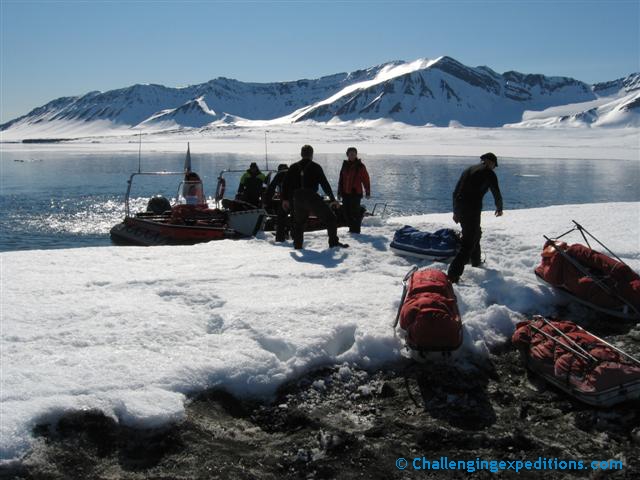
x=300 y=192
x=467 y=207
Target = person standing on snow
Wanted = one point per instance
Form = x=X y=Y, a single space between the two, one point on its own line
x=354 y=178
x=300 y=192
x=271 y=203
x=467 y=207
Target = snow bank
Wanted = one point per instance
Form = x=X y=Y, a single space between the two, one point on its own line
x=130 y=331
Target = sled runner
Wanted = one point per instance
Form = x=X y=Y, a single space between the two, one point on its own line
x=439 y=246
x=428 y=314
x=602 y=282
x=578 y=362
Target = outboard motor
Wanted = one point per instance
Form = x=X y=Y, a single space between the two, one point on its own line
x=158 y=205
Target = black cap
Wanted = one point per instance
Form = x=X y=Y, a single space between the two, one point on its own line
x=282 y=166
x=306 y=151
x=490 y=156
x=253 y=164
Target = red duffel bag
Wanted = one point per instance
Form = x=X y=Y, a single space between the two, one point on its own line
x=429 y=314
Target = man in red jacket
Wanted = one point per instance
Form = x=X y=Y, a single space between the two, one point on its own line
x=354 y=178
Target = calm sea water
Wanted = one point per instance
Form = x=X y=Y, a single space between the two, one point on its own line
x=56 y=200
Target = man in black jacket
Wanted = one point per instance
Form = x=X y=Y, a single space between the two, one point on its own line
x=300 y=192
x=467 y=207
x=271 y=203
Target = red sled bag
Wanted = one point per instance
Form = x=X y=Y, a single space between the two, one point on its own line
x=600 y=281
x=558 y=269
x=428 y=314
x=578 y=362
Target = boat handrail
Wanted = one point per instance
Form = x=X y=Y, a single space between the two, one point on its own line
x=222 y=181
x=130 y=182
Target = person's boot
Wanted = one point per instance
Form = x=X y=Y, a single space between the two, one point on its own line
x=335 y=243
x=476 y=257
x=476 y=261
x=453 y=276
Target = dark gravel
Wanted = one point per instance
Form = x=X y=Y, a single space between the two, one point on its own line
x=344 y=422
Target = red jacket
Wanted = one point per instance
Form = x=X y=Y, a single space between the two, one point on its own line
x=353 y=176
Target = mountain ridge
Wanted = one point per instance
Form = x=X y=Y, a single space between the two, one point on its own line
x=438 y=92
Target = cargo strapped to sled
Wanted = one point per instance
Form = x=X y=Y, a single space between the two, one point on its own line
x=428 y=314
x=612 y=378
x=629 y=310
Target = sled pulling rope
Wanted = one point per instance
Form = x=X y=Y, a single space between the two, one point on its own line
x=404 y=294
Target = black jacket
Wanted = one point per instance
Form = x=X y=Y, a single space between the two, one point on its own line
x=275 y=185
x=305 y=174
x=473 y=184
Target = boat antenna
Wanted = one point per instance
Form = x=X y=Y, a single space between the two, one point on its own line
x=187 y=160
x=139 y=151
x=266 y=158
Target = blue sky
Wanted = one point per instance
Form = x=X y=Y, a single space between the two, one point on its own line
x=51 y=49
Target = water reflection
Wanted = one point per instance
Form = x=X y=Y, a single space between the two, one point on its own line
x=50 y=200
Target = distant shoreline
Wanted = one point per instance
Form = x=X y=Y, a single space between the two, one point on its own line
x=383 y=139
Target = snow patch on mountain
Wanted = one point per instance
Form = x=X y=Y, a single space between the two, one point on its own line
x=195 y=114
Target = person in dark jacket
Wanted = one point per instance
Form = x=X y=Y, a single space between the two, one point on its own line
x=354 y=179
x=273 y=202
x=251 y=185
x=474 y=182
x=300 y=192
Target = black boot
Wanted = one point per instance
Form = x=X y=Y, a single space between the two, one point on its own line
x=335 y=243
x=298 y=236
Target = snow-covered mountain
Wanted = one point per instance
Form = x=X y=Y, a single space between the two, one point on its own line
x=445 y=91
x=627 y=84
x=139 y=104
x=195 y=113
x=438 y=92
x=617 y=105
